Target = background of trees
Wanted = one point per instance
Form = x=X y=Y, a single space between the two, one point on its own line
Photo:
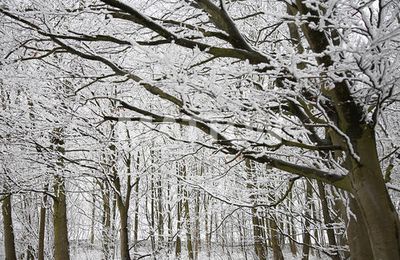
x=250 y=129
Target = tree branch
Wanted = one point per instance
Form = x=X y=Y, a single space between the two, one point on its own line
x=137 y=17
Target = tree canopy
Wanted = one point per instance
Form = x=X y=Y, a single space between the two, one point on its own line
x=308 y=88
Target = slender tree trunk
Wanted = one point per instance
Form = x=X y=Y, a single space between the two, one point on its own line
x=106 y=221
x=306 y=229
x=61 y=243
x=189 y=241
x=153 y=210
x=259 y=246
x=29 y=253
x=178 y=246
x=242 y=233
x=197 y=241
x=122 y=200
x=93 y=219
x=123 y=208
x=42 y=226
x=292 y=228
x=169 y=217
x=160 y=212
x=276 y=248
x=265 y=229
x=9 y=244
x=328 y=222
x=207 y=225
x=136 y=214
x=114 y=227
x=315 y=215
x=222 y=225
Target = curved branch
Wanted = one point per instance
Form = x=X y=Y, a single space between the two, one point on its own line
x=222 y=20
x=239 y=53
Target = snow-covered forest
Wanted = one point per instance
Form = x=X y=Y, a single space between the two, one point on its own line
x=199 y=129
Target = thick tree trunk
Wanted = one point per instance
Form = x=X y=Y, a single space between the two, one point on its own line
x=371 y=195
x=124 y=247
x=61 y=243
x=370 y=233
x=373 y=227
x=123 y=208
x=9 y=244
x=358 y=238
x=367 y=183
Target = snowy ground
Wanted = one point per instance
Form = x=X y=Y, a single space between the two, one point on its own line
x=88 y=254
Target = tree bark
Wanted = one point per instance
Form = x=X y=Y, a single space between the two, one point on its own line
x=373 y=200
x=189 y=242
x=276 y=248
x=367 y=182
x=93 y=219
x=106 y=221
x=259 y=245
x=124 y=247
x=306 y=228
x=169 y=217
x=160 y=212
x=357 y=233
x=9 y=244
x=178 y=246
x=207 y=225
x=60 y=223
x=197 y=231
x=42 y=226
x=123 y=208
x=136 y=214
x=328 y=221
x=61 y=243
x=292 y=228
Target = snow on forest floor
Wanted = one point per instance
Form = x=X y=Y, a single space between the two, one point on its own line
x=88 y=253
x=93 y=254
